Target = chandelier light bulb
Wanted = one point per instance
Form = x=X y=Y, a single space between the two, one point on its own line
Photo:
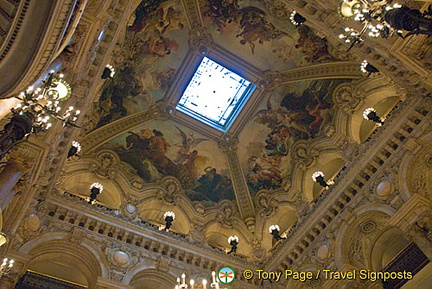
x=370 y=114
x=213 y=277
x=108 y=72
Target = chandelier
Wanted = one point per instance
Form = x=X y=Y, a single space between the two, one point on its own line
x=181 y=283
x=6 y=266
x=37 y=108
x=383 y=19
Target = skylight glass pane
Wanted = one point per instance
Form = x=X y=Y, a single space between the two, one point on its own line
x=215 y=95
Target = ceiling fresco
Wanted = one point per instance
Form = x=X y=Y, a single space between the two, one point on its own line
x=272 y=43
x=165 y=148
x=294 y=112
x=154 y=48
x=156 y=43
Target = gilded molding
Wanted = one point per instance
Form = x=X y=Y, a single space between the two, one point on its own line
x=111 y=130
x=193 y=13
x=244 y=199
x=334 y=70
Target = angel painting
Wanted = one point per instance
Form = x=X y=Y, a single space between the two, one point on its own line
x=255 y=27
x=186 y=156
x=315 y=48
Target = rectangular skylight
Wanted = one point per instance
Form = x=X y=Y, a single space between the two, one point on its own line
x=215 y=95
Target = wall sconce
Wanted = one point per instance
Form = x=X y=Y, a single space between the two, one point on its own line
x=169 y=218
x=74 y=149
x=318 y=177
x=233 y=241
x=297 y=19
x=108 y=72
x=274 y=231
x=368 y=68
x=95 y=190
x=370 y=114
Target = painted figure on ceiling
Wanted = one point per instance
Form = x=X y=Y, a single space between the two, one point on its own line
x=264 y=172
x=299 y=113
x=111 y=101
x=222 y=12
x=153 y=19
x=253 y=25
x=144 y=14
x=314 y=47
x=309 y=109
x=150 y=154
x=213 y=187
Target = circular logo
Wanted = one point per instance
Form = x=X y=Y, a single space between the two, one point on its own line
x=226 y=275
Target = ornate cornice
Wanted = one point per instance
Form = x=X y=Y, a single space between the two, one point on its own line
x=193 y=13
x=107 y=132
x=331 y=24
x=334 y=70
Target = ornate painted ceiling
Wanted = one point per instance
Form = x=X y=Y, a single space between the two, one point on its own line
x=256 y=173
